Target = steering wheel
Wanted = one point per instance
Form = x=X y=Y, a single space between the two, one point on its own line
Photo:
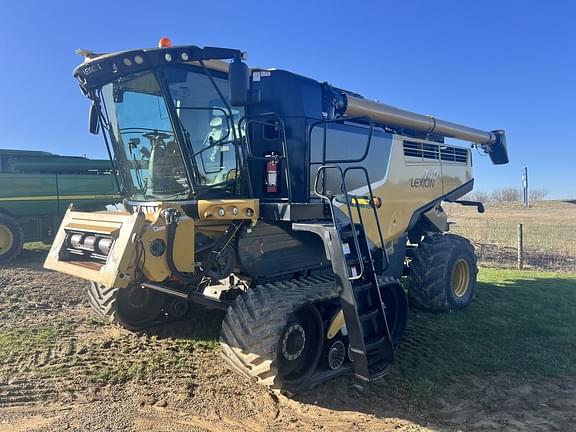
x=156 y=137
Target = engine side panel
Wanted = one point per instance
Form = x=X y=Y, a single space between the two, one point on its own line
x=269 y=250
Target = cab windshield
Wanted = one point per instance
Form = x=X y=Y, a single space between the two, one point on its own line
x=137 y=120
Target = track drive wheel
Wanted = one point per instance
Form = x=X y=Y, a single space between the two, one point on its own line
x=133 y=308
x=274 y=333
x=443 y=273
x=11 y=239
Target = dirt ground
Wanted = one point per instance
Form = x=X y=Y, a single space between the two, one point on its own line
x=60 y=369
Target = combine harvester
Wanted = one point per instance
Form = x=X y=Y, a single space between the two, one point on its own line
x=293 y=205
x=36 y=189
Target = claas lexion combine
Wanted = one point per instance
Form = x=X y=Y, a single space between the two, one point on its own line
x=293 y=205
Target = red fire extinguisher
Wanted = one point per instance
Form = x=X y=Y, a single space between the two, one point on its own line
x=271 y=179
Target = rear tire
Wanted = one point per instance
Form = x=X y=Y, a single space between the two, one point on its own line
x=443 y=273
x=11 y=239
x=133 y=308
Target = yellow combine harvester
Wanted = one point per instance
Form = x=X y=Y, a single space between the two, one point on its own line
x=292 y=204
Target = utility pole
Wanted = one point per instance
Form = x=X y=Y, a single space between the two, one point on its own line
x=525 y=186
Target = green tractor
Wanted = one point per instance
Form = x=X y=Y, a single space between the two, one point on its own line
x=36 y=189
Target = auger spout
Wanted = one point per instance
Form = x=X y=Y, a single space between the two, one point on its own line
x=493 y=142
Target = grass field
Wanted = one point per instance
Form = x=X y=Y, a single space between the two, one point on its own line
x=522 y=323
x=549 y=233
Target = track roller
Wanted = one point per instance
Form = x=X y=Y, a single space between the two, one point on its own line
x=334 y=353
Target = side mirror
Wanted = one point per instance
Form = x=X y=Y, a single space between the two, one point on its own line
x=93 y=123
x=239 y=82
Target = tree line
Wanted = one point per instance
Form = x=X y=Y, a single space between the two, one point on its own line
x=507 y=194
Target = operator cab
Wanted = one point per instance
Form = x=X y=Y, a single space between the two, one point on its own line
x=168 y=121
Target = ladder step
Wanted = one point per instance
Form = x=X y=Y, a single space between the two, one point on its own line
x=379 y=368
x=350 y=261
x=364 y=315
x=369 y=315
x=349 y=234
x=359 y=289
x=376 y=344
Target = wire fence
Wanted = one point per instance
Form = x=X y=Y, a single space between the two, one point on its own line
x=544 y=246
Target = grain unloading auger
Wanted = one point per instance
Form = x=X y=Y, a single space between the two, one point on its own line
x=292 y=204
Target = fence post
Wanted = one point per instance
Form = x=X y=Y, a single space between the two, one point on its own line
x=520 y=247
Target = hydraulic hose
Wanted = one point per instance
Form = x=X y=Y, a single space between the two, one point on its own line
x=172 y=217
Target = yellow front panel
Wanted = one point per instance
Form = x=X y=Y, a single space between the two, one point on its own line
x=155 y=268
x=119 y=268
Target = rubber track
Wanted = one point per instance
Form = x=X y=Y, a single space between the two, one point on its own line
x=429 y=275
x=253 y=325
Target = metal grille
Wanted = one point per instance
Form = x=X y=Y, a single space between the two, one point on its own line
x=435 y=152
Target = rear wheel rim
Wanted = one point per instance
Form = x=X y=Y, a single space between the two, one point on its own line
x=460 y=278
x=300 y=346
x=6 y=239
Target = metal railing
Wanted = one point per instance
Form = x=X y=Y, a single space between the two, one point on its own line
x=244 y=125
x=355 y=200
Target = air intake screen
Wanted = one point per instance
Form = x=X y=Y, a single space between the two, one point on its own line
x=435 y=152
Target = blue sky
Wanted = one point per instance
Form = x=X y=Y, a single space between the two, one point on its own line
x=489 y=64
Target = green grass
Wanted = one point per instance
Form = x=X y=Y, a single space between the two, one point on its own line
x=29 y=340
x=37 y=246
x=522 y=324
x=151 y=358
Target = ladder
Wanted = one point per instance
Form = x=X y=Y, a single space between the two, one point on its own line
x=349 y=250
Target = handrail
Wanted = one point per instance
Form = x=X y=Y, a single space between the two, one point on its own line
x=247 y=121
x=330 y=200
x=341 y=120
x=372 y=205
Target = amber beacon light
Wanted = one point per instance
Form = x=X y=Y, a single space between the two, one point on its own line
x=164 y=42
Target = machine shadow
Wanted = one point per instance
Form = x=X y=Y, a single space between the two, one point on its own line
x=200 y=324
x=451 y=367
x=29 y=258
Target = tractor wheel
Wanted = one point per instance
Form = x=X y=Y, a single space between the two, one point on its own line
x=11 y=239
x=133 y=308
x=274 y=333
x=443 y=273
